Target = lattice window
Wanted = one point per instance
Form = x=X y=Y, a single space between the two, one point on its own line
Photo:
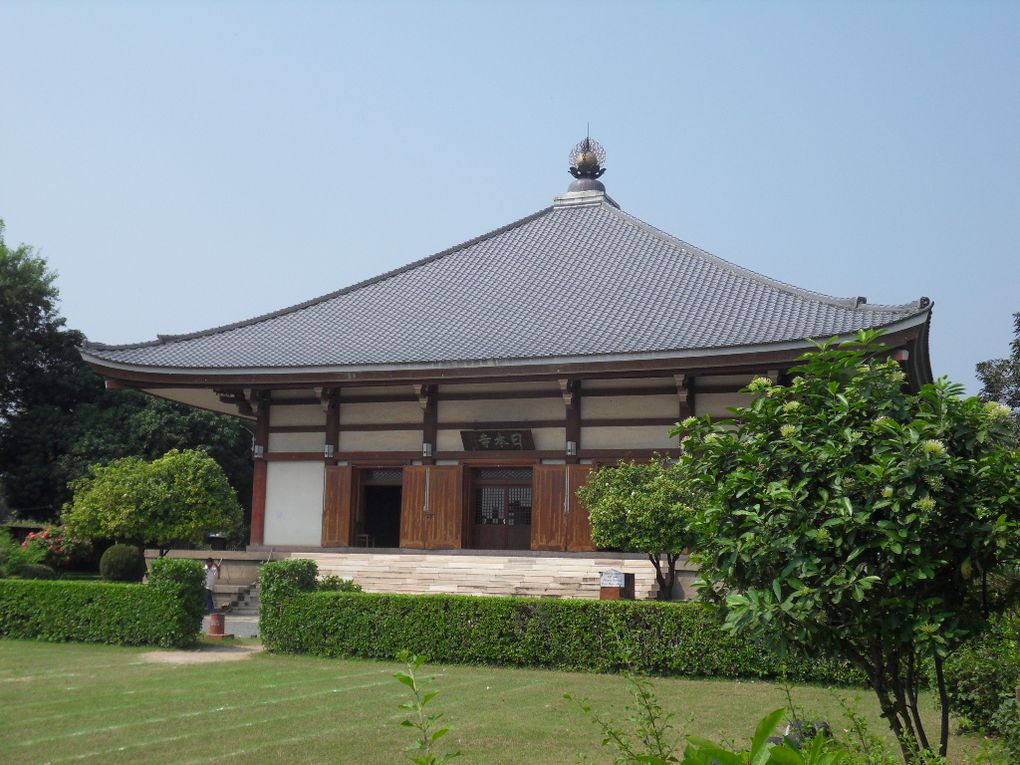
x=489 y=507
x=503 y=505
x=508 y=475
x=384 y=476
x=519 y=506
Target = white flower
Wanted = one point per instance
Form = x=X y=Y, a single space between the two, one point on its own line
x=933 y=447
x=998 y=411
x=759 y=383
x=787 y=430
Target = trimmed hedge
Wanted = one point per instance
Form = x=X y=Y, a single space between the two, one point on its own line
x=166 y=612
x=589 y=635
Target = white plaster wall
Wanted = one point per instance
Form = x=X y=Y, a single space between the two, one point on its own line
x=294 y=503
x=449 y=441
x=296 y=393
x=514 y=409
x=396 y=411
x=296 y=442
x=377 y=390
x=301 y=414
x=641 y=382
x=715 y=403
x=380 y=441
x=708 y=381
x=551 y=387
x=546 y=439
x=621 y=407
x=637 y=437
x=550 y=439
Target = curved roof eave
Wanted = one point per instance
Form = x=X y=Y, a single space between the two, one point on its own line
x=920 y=319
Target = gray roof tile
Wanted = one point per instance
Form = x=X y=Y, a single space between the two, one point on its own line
x=576 y=280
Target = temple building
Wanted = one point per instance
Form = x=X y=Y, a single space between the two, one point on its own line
x=459 y=402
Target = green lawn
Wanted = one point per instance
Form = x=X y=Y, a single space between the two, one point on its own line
x=84 y=703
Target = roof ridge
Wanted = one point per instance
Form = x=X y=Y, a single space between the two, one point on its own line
x=918 y=305
x=163 y=339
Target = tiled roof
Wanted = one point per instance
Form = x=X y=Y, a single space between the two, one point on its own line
x=579 y=279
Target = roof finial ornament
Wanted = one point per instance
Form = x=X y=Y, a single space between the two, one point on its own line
x=586 y=160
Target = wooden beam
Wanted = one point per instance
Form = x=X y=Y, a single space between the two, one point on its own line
x=259 y=478
x=609 y=422
x=685 y=394
x=332 y=405
x=501 y=424
x=430 y=420
x=571 y=390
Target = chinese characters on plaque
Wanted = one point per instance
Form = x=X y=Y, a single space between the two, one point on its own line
x=497 y=440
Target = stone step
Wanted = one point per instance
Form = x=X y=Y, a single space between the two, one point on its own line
x=548 y=576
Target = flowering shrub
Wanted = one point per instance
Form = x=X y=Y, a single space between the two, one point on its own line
x=56 y=548
x=850 y=516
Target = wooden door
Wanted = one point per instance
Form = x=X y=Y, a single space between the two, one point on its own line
x=338 y=506
x=412 y=507
x=445 y=517
x=432 y=507
x=548 y=521
x=578 y=522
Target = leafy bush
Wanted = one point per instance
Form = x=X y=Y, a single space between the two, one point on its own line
x=981 y=680
x=36 y=571
x=97 y=612
x=122 y=563
x=338 y=584
x=14 y=557
x=603 y=636
x=56 y=547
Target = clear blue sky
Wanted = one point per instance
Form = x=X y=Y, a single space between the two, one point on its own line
x=184 y=165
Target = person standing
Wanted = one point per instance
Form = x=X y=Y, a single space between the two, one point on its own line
x=212 y=573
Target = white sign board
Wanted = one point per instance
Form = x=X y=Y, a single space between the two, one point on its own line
x=612 y=578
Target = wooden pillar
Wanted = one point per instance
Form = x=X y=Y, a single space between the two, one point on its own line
x=430 y=419
x=685 y=394
x=571 y=391
x=330 y=398
x=260 y=404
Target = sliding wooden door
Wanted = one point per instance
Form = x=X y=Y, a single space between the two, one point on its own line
x=432 y=507
x=559 y=520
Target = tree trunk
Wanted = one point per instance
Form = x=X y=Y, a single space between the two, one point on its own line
x=944 y=704
x=912 y=683
x=671 y=559
x=660 y=578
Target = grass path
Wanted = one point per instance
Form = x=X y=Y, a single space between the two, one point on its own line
x=71 y=703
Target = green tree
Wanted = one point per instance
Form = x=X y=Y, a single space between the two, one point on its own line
x=56 y=419
x=644 y=508
x=123 y=423
x=180 y=497
x=853 y=518
x=1000 y=378
x=39 y=362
